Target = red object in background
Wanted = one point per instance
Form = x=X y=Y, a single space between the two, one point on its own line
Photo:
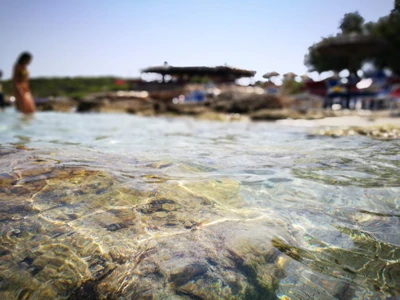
x=316 y=88
x=119 y=82
x=395 y=93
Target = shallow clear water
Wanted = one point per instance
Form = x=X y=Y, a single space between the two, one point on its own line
x=119 y=206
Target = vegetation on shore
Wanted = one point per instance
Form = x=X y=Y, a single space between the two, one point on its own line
x=386 y=28
x=73 y=87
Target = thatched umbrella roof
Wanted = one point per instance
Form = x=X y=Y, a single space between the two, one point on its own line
x=351 y=45
x=289 y=75
x=200 y=71
x=270 y=74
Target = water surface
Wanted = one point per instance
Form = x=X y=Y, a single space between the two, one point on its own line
x=126 y=207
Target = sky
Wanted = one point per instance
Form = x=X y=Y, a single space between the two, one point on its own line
x=121 y=37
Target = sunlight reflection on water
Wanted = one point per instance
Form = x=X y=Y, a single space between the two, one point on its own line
x=119 y=201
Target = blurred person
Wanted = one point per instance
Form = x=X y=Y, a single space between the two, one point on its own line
x=2 y=103
x=22 y=92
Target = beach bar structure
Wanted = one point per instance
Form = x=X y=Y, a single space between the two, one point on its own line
x=220 y=74
x=174 y=81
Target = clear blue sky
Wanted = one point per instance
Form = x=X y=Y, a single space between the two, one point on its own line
x=102 y=37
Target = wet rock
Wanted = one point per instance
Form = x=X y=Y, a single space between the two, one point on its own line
x=60 y=104
x=115 y=226
x=187 y=273
x=192 y=109
x=83 y=234
x=158 y=205
x=87 y=291
x=237 y=102
x=88 y=105
x=188 y=224
x=385 y=132
x=7 y=179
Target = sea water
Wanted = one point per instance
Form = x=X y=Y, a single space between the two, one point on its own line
x=115 y=206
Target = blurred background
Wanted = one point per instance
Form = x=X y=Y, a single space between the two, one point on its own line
x=83 y=49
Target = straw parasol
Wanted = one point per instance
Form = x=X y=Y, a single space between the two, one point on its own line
x=289 y=75
x=352 y=46
x=270 y=74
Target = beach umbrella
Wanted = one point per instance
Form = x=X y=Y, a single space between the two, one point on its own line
x=289 y=75
x=352 y=46
x=270 y=74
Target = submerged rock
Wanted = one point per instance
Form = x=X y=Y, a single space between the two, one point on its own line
x=74 y=233
x=71 y=232
x=369 y=262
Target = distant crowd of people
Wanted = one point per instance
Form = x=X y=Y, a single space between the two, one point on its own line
x=24 y=101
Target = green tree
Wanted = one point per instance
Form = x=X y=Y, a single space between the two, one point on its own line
x=352 y=22
x=396 y=6
x=292 y=87
x=315 y=61
x=388 y=29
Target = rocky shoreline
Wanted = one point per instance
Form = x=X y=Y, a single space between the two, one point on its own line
x=382 y=132
x=228 y=106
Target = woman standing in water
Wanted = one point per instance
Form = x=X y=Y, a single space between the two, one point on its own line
x=22 y=91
